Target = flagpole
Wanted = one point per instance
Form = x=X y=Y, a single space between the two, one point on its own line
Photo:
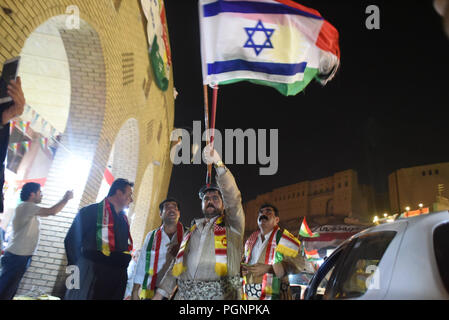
x=206 y=121
x=214 y=114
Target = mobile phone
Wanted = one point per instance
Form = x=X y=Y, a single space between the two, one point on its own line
x=9 y=72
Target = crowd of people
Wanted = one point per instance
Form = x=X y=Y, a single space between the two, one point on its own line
x=206 y=261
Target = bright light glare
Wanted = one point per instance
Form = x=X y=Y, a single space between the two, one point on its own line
x=76 y=173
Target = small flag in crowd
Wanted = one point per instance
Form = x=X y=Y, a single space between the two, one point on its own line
x=26 y=145
x=44 y=143
x=14 y=147
x=24 y=125
x=12 y=126
x=305 y=231
x=312 y=255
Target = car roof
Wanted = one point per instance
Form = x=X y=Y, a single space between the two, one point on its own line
x=412 y=221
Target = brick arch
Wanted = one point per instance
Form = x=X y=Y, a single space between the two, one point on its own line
x=72 y=166
x=125 y=155
x=144 y=203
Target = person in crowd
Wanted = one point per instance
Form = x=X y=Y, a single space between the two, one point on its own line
x=270 y=255
x=207 y=266
x=159 y=251
x=25 y=237
x=99 y=244
x=8 y=112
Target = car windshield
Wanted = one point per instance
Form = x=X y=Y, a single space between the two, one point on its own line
x=302 y=278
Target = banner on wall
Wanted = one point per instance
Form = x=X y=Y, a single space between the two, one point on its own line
x=157 y=31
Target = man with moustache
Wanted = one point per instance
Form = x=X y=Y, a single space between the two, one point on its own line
x=207 y=266
x=159 y=250
x=270 y=255
x=99 y=244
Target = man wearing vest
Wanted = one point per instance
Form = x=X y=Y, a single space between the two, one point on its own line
x=270 y=255
x=207 y=266
x=159 y=250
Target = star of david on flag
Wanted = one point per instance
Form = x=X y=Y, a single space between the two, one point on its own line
x=277 y=43
x=252 y=32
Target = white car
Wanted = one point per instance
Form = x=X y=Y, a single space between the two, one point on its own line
x=407 y=259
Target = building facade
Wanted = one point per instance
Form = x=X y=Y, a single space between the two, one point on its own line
x=426 y=185
x=329 y=200
x=93 y=97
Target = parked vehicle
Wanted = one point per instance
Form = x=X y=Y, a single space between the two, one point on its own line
x=405 y=259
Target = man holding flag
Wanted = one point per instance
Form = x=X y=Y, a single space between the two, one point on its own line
x=270 y=255
x=207 y=266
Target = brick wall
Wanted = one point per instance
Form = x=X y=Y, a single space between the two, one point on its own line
x=109 y=47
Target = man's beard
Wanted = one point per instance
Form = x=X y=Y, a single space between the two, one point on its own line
x=213 y=214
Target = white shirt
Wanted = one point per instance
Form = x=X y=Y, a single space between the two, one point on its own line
x=26 y=227
x=258 y=248
x=141 y=263
x=197 y=241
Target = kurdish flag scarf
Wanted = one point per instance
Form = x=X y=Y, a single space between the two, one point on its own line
x=280 y=245
x=105 y=230
x=152 y=260
x=221 y=263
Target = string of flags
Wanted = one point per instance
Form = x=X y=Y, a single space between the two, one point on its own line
x=27 y=144
x=36 y=121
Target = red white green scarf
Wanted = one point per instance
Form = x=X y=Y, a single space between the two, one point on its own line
x=152 y=260
x=280 y=244
x=220 y=241
x=105 y=230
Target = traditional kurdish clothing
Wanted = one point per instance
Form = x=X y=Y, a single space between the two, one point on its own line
x=221 y=267
x=278 y=247
x=155 y=259
x=208 y=263
x=99 y=243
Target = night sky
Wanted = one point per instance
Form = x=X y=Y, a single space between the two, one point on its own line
x=386 y=109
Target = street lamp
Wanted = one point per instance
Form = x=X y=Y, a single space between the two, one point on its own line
x=407 y=209
x=420 y=205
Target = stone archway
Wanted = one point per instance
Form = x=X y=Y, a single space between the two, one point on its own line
x=123 y=159
x=73 y=160
x=143 y=206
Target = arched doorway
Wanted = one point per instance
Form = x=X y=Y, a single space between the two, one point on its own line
x=79 y=120
x=140 y=222
x=123 y=159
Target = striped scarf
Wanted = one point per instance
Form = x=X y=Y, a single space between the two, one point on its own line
x=105 y=230
x=279 y=245
x=152 y=260
x=220 y=241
